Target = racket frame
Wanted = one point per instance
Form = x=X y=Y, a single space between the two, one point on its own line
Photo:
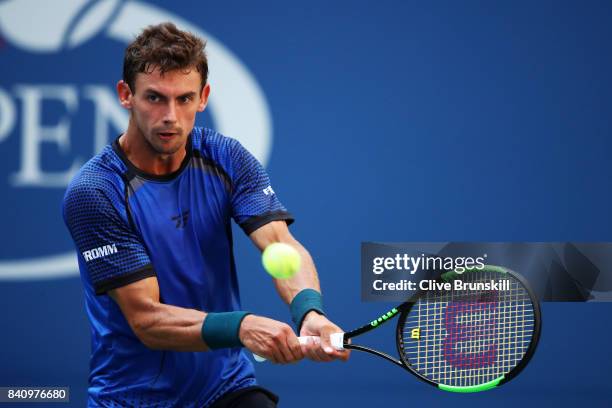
x=404 y=309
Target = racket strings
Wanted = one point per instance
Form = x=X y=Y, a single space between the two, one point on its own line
x=467 y=337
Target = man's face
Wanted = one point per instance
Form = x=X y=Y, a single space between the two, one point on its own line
x=163 y=107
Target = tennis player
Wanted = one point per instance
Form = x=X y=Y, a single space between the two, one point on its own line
x=150 y=217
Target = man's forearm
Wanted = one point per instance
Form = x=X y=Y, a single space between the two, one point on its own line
x=167 y=327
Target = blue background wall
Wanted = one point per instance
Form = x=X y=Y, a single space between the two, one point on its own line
x=394 y=121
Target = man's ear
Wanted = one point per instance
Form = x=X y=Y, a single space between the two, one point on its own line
x=204 y=97
x=125 y=94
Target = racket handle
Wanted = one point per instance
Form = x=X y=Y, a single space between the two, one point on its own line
x=337 y=342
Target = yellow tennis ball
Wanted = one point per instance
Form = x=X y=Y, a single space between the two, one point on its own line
x=280 y=260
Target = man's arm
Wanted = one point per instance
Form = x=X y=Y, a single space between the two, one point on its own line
x=157 y=325
x=313 y=324
x=166 y=327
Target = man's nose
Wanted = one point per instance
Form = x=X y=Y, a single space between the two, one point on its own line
x=170 y=114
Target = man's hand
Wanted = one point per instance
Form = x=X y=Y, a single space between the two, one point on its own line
x=270 y=339
x=315 y=324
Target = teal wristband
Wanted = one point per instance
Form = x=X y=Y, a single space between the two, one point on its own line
x=305 y=301
x=220 y=330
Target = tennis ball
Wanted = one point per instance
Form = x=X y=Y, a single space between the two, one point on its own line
x=281 y=260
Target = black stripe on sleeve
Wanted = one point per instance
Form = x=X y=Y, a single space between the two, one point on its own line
x=145 y=272
x=254 y=223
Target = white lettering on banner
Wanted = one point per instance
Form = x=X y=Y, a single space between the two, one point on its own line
x=107 y=110
x=34 y=133
x=7 y=115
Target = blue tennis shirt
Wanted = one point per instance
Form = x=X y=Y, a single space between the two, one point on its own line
x=128 y=225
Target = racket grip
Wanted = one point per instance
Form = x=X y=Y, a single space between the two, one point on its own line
x=337 y=342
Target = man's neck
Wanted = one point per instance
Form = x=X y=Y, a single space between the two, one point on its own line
x=140 y=153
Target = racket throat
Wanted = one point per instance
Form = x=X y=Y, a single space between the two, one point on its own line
x=376 y=353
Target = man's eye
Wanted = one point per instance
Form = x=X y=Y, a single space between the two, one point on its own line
x=186 y=99
x=153 y=98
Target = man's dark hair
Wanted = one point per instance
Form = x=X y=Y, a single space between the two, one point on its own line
x=166 y=47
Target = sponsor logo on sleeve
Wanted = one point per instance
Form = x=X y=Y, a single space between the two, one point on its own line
x=100 y=252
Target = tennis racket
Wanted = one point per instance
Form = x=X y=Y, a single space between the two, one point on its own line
x=463 y=339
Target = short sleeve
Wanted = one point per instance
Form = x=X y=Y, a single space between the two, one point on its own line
x=254 y=202
x=113 y=254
